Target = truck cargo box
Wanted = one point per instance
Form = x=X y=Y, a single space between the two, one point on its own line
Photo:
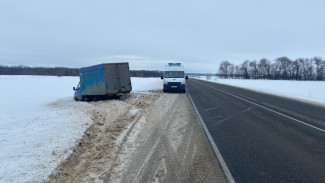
x=103 y=80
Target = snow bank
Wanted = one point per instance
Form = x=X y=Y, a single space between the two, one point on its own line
x=306 y=90
x=39 y=122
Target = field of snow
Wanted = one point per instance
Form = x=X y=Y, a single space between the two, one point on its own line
x=312 y=91
x=39 y=123
x=146 y=84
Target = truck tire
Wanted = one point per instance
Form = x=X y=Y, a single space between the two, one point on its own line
x=86 y=99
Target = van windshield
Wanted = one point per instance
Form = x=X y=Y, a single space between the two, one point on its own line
x=174 y=74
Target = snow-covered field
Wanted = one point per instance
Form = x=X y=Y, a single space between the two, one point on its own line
x=146 y=84
x=39 y=123
x=313 y=91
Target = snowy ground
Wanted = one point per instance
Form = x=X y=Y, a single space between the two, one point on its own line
x=312 y=91
x=39 y=123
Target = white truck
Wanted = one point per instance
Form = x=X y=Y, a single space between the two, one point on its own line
x=174 y=78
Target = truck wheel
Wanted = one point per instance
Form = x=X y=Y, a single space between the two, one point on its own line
x=95 y=99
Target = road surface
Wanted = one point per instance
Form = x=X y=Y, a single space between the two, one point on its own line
x=173 y=147
x=262 y=137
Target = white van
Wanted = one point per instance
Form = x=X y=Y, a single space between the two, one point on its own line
x=174 y=78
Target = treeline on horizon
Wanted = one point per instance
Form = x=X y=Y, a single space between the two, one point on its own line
x=63 y=71
x=281 y=68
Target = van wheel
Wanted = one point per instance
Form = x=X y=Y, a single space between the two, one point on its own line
x=86 y=99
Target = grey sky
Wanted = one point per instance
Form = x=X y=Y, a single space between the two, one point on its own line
x=149 y=33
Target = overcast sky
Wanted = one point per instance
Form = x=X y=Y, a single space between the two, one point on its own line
x=149 y=33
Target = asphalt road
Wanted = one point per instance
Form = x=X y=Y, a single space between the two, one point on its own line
x=261 y=137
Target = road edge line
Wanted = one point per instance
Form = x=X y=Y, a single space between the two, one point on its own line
x=215 y=149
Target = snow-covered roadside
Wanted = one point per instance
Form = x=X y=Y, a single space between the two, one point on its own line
x=40 y=122
x=36 y=130
x=312 y=91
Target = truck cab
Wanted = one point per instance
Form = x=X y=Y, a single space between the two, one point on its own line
x=77 y=93
x=174 y=78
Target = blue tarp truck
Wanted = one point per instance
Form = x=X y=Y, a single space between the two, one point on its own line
x=103 y=81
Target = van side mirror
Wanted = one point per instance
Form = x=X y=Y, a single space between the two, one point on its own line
x=161 y=77
x=186 y=77
x=74 y=88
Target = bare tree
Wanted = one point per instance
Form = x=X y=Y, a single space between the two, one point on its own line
x=282 y=65
x=291 y=71
x=296 y=68
x=319 y=68
x=231 y=70
x=224 y=68
x=264 y=67
x=244 y=69
x=237 y=72
x=253 y=69
x=307 y=68
x=275 y=72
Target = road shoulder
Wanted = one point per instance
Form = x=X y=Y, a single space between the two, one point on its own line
x=145 y=138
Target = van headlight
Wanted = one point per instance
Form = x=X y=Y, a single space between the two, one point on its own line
x=183 y=82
